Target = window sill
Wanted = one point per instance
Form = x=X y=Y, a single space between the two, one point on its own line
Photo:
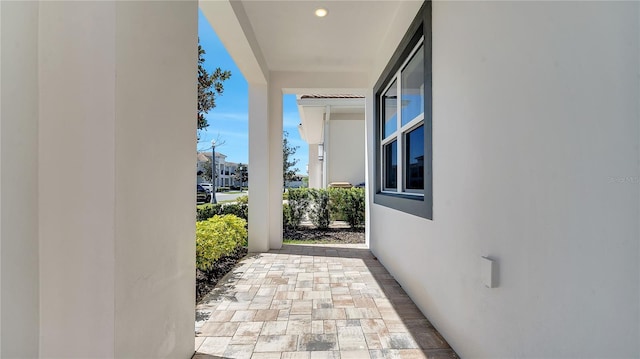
x=407 y=203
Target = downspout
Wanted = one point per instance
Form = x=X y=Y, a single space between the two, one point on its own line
x=325 y=140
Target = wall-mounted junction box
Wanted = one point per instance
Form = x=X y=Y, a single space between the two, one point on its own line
x=489 y=272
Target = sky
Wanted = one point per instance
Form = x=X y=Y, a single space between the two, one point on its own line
x=228 y=121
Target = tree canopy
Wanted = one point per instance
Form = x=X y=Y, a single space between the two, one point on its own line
x=209 y=86
x=288 y=162
x=241 y=175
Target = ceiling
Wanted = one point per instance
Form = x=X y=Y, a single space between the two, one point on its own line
x=292 y=38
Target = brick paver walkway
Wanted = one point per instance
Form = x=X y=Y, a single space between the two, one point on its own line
x=313 y=301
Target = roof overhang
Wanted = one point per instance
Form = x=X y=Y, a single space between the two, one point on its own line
x=316 y=110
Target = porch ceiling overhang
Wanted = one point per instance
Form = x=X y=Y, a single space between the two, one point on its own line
x=265 y=36
x=315 y=110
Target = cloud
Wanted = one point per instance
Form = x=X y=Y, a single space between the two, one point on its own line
x=233 y=116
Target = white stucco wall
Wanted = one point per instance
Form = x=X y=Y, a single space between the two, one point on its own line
x=536 y=136
x=154 y=138
x=19 y=308
x=346 y=148
x=97 y=261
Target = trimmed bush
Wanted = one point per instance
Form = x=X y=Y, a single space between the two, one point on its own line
x=336 y=203
x=298 y=204
x=286 y=216
x=217 y=237
x=319 y=213
x=243 y=199
x=352 y=207
x=237 y=209
x=206 y=211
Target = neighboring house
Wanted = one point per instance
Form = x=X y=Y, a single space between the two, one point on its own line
x=333 y=126
x=523 y=116
x=225 y=171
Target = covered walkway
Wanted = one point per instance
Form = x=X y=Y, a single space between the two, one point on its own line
x=313 y=301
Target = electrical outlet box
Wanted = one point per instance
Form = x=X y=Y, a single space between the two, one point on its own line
x=489 y=272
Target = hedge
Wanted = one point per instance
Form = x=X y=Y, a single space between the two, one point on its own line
x=217 y=237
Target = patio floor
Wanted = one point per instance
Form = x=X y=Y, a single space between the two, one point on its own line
x=313 y=301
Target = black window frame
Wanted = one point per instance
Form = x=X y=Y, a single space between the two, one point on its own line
x=421 y=206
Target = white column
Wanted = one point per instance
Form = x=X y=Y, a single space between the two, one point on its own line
x=19 y=302
x=76 y=178
x=117 y=250
x=259 y=168
x=155 y=232
x=315 y=167
x=275 y=166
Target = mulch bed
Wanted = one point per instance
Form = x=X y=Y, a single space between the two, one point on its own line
x=331 y=235
x=206 y=281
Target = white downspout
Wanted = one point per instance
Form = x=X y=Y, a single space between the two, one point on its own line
x=325 y=140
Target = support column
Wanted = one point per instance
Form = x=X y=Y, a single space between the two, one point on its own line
x=116 y=249
x=258 y=168
x=76 y=178
x=19 y=280
x=275 y=166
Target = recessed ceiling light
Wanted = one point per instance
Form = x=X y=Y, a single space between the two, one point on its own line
x=321 y=12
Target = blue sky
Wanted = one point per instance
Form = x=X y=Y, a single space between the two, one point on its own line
x=228 y=121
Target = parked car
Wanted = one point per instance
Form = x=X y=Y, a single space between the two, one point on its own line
x=202 y=196
x=207 y=186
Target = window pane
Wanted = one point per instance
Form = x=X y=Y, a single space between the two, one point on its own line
x=390 y=103
x=414 y=162
x=391 y=165
x=413 y=87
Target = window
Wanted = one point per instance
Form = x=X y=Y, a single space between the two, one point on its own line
x=403 y=123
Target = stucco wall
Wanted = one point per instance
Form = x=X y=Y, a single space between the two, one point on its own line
x=97 y=261
x=19 y=309
x=346 y=149
x=154 y=138
x=535 y=162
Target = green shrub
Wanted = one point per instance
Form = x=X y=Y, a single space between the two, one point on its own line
x=237 y=209
x=286 y=216
x=353 y=206
x=217 y=237
x=243 y=199
x=298 y=204
x=319 y=210
x=206 y=211
x=347 y=204
x=336 y=203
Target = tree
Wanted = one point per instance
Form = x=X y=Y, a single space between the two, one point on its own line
x=209 y=85
x=288 y=162
x=207 y=172
x=241 y=175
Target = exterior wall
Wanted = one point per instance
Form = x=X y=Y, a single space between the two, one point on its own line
x=19 y=305
x=346 y=149
x=536 y=136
